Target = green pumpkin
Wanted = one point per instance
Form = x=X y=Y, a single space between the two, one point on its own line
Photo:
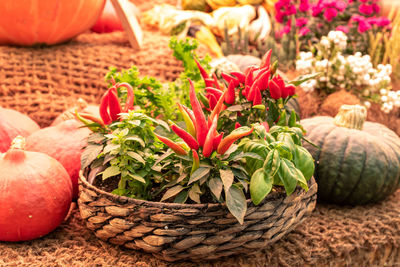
x=358 y=162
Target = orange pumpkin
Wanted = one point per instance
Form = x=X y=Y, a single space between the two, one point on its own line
x=29 y=22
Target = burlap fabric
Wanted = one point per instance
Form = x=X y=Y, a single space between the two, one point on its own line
x=332 y=236
x=42 y=82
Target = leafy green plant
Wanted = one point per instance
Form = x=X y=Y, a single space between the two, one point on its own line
x=126 y=149
x=276 y=158
x=154 y=98
x=184 y=50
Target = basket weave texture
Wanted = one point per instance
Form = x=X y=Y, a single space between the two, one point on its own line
x=194 y=232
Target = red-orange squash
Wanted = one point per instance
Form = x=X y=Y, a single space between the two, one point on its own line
x=35 y=193
x=12 y=124
x=29 y=22
x=65 y=143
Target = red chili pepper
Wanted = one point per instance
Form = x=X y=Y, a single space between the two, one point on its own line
x=230 y=139
x=186 y=137
x=252 y=92
x=237 y=125
x=260 y=72
x=201 y=123
x=249 y=77
x=196 y=161
x=209 y=82
x=212 y=100
x=240 y=76
x=257 y=97
x=103 y=110
x=209 y=142
x=218 y=107
x=266 y=60
x=130 y=98
x=114 y=106
x=230 y=79
x=289 y=90
x=203 y=72
x=216 y=92
x=262 y=81
x=230 y=94
x=274 y=90
x=171 y=144
x=217 y=140
x=276 y=85
x=216 y=81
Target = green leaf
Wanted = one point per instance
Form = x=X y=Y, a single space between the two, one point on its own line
x=136 y=156
x=90 y=154
x=194 y=193
x=111 y=147
x=282 y=119
x=287 y=139
x=110 y=172
x=227 y=178
x=173 y=191
x=303 y=78
x=272 y=162
x=250 y=155
x=304 y=162
x=236 y=203
x=215 y=185
x=137 y=177
x=96 y=138
x=181 y=197
x=260 y=185
x=292 y=118
x=136 y=139
x=198 y=174
x=290 y=175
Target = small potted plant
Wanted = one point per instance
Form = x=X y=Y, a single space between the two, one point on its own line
x=186 y=191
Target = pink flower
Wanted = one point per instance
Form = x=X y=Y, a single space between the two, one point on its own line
x=357 y=18
x=363 y=26
x=376 y=8
x=316 y=10
x=291 y=10
x=279 y=16
x=330 y=14
x=304 y=31
x=341 y=5
x=300 y=22
x=304 y=6
x=342 y=29
x=366 y=9
x=363 y=1
x=380 y=22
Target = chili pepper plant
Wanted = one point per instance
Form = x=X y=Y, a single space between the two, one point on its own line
x=197 y=160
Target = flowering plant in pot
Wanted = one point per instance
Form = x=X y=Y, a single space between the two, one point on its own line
x=201 y=192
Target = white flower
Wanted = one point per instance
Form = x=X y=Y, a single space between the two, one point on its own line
x=325 y=42
x=367 y=104
x=397 y=103
x=383 y=91
x=384 y=98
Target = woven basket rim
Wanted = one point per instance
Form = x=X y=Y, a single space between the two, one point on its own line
x=271 y=196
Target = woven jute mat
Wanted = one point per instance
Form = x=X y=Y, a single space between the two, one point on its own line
x=43 y=82
x=332 y=236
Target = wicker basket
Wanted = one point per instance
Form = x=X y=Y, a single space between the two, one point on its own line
x=194 y=232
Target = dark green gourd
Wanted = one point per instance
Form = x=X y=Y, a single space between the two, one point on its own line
x=358 y=162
